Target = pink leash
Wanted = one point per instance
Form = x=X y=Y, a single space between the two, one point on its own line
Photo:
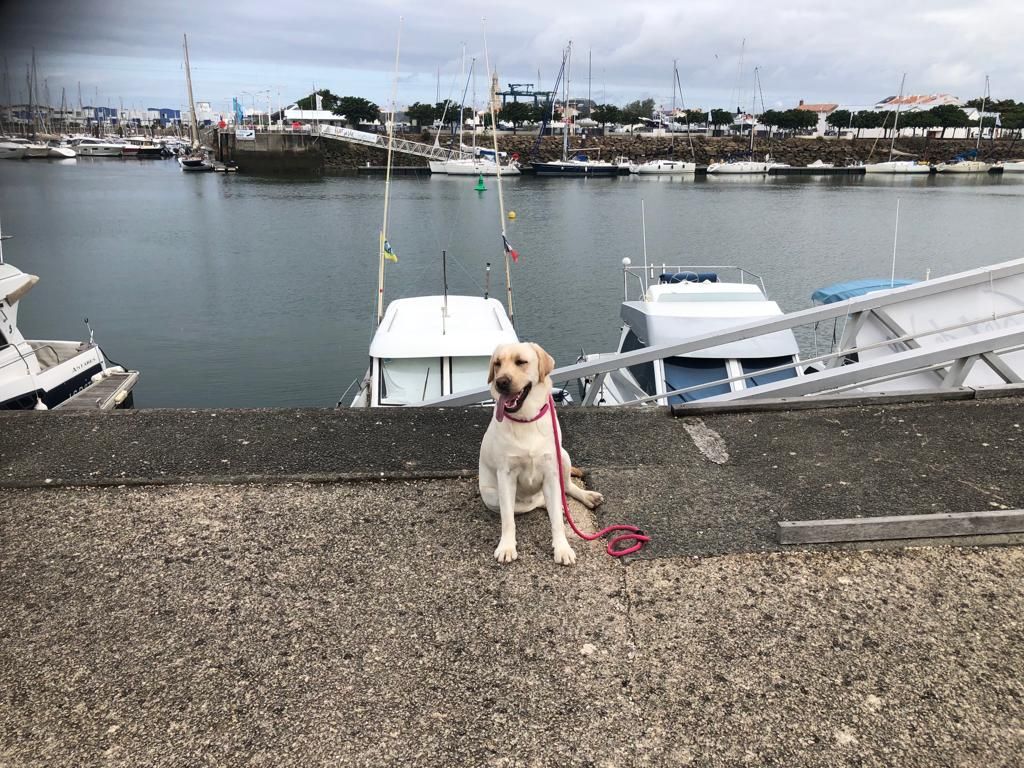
x=633 y=533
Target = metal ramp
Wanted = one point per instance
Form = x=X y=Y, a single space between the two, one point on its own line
x=964 y=330
x=380 y=141
x=104 y=395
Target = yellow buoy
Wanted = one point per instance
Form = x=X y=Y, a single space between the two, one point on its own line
x=511 y=214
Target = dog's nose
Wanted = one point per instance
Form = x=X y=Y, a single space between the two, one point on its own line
x=503 y=383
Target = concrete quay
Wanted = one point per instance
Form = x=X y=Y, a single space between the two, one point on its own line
x=317 y=587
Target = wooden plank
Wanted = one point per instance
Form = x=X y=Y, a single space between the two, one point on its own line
x=934 y=526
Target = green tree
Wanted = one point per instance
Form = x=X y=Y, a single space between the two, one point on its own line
x=449 y=116
x=839 y=119
x=516 y=113
x=636 y=111
x=421 y=114
x=356 y=110
x=1013 y=120
x=328 y=100
x=696 y=117
x=867 y=118
x=771 y=118
x=721 y=117
x=949 y=116
x=607 y=113
x=801 y=119
x=916 y=119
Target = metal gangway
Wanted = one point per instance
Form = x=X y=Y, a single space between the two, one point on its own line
x=430 y=151
x=964 y=330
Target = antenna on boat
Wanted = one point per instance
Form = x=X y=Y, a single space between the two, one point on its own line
x=384 y=248
x=2 y=238
x=895 y=236
x=501 y=197
x=487 y=280
x=643 y=233
x=444 y=279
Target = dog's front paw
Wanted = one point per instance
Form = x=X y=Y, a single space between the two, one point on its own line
x=506 y=551
x=564 y=554
x=592 y=499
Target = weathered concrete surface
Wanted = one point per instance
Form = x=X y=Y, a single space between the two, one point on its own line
x=367 y=624
x=700 y=486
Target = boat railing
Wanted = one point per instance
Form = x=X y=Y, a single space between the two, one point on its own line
x=646 y=274
x=984 y=342
x=23 y=357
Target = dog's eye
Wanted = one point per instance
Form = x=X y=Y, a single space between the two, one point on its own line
x=520 y=363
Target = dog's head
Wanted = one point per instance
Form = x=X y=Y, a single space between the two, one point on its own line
x=519 y=377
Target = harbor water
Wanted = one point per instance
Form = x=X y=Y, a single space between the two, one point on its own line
x=237 y=291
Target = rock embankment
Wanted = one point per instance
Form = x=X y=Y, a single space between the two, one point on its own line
x=339 y=156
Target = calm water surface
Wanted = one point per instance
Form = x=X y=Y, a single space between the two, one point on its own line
x=241 y=291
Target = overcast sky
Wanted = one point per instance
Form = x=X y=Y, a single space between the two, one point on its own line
x=853 y=53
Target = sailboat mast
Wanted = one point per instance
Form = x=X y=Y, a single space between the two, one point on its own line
x=981 y=117
x=501 y=194
x=191 y=101
x=565 y=104
x=753 y=109
x=672 y=114
x=387 y=180
x=896 y=119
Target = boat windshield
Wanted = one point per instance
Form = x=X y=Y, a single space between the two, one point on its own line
x=753 y=367
x=683 y=372
x=469 y=372
x=405 y=380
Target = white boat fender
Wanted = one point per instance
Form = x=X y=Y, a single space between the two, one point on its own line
x=120 y=397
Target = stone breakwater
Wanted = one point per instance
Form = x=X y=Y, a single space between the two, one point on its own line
x=339 y=156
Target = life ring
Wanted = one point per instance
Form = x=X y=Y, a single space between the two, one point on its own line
x=515 y=155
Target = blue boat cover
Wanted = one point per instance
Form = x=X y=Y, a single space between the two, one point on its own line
x=688 y=277
x=853 y=288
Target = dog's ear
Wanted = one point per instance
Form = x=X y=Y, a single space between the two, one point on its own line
x=545 y=362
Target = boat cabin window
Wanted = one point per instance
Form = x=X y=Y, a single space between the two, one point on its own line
x=682 y=372
x=469 y=373
x=406 y=380
x=644 y=372
x=764 y=363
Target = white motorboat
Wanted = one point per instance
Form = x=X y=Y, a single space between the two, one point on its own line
x=898 y=166
x=89 y=147
x=655 y=167
x=741 y=166
x=62 y=152
x=819 y=164
x=430 y=346
x=1012 y=166
x=684 y=303
x=31 y=149
x=40 y=375
x=10 y=150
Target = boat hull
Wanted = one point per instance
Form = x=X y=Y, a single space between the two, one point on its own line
x=194 y=164
x=1014 y=166
x=964 y=166
x=585 y=169
x=665 y=168
x=36 y=151
x=463 y=168
x=738 y=168
x=62 y=152
x=11 y=151
x=899 y=167
x=87 y=150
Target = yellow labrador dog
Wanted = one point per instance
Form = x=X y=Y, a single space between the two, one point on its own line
x=518 y=472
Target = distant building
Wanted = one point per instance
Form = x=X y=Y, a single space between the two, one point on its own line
x=822 y=111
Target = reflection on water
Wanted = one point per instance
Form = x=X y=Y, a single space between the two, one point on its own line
x=241 y=291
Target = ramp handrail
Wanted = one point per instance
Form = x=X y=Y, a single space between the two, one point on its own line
x=849 y=307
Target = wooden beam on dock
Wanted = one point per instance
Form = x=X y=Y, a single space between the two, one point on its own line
x=937 y=526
